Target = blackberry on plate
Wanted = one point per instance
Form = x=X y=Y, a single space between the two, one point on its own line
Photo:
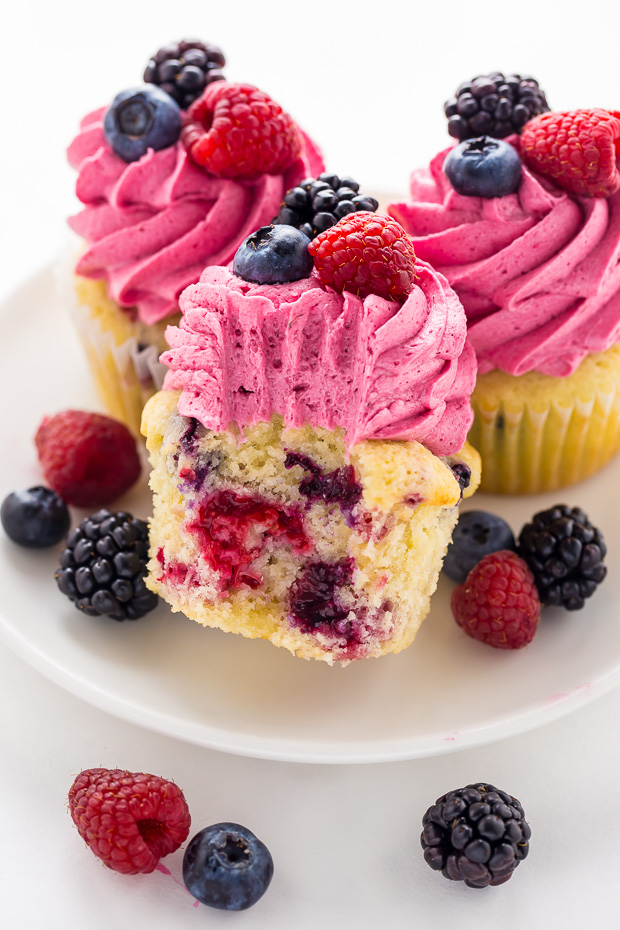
x=318 y=203
x=183 y=69
x=477 y=834
x=494 y=105
x=103 y=565
x=565 y=554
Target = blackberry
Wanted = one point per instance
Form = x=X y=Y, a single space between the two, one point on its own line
x=183 y=69
x=318 y=203
x=477 y=834
x=103 y=565
x=565 y=554
x=494 y=105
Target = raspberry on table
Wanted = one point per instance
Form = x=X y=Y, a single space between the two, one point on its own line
x=89 y=459
x=577 y=149
x=494 y=105
x=498 y=603
x=366 y=253
x=237 y=131
x=130 y=820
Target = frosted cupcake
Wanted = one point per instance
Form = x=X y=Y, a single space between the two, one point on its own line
x=308 y=448
x=173 y=176
x=536 y=268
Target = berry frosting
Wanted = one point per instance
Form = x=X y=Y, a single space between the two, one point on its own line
x=538 y=271
x=152 y=225
x=381 y=370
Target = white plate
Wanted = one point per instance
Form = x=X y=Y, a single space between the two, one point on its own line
x=167 y=673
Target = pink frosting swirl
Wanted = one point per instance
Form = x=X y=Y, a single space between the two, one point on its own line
x=379 y=369
x=153 y=225
x=538 y=271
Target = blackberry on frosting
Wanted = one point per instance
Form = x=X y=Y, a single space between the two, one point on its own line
x=316 y=204
x=494 y=105
x=183 y=69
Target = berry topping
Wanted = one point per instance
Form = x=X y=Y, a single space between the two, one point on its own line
x=494 y=105
x=498 y=604
x=87 y=458
x=366 y=253
x=129 y=820
x=35 y=518
x=565 y=554
x=183 y=69
x=140 y=119
x=103 y=566
x=475 y=535
x=483 y=167
x=477 y=835
x=237 y=131
x=335 y=487
x=273 y=255
x=316 y=204
x=578 y=150
x=227 y=867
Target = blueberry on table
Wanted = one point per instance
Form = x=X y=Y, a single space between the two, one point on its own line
x=477 y=534
x=227 y=867
x=273 y=255
x=140 y=119
x=36 y=518
x=483 y=167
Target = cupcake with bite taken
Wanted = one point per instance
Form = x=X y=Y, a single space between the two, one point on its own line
x=523 y=218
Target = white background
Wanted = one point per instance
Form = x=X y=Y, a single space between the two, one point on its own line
x=368 y=82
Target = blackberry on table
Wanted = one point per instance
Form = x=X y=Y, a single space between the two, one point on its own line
x=183 y=69
x=318 y=203
x=565 y=554
x=477 y=834
x=494 y=105
x=103 y=566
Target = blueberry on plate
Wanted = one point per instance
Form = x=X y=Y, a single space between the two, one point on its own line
x=475 y=535
x=483 y=167
x=227 y=867
x=273 y=255
x=36 y=518
x=140 y=119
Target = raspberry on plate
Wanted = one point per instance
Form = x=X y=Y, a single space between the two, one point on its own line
x=237 y=131
x=130 y=820
x=366 y=253
x=89 y=459
x=577 y=149
x=498 y=604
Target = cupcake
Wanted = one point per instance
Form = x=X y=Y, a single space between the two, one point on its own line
x=173 y=176
x=524 y=222
x=308 y=448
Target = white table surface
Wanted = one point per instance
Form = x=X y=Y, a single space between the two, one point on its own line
x=344 y=839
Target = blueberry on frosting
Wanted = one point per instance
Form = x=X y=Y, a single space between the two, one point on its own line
x=483 y=167
x=273 y=255
x=139 y=119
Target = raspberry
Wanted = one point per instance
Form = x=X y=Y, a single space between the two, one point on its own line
x=578 y=150
x=87 y=458
x=237 y=131
x=498 y=604
x=366 y=253
x=130 y=820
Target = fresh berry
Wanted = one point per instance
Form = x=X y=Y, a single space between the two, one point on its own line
x=273 y=255
x=498 y=604
x=475 y=535
x=183 y=69
x=237 y=131
x=494 y=105
x=317 y=204
x=483 y=167
x=35 y=518
x=103 y=566
x=477 y=835
x=87 y=458
x=140 y=119
x=130 y=820
x=366 y=253
x=565 y=554
x=227 y=867
x=578 y=150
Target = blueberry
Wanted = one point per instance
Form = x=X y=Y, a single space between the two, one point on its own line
x=274 y=255
x=483 y=167
x=35 y=518
x=227 y=867
x=141 y=118
x=476 y=534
